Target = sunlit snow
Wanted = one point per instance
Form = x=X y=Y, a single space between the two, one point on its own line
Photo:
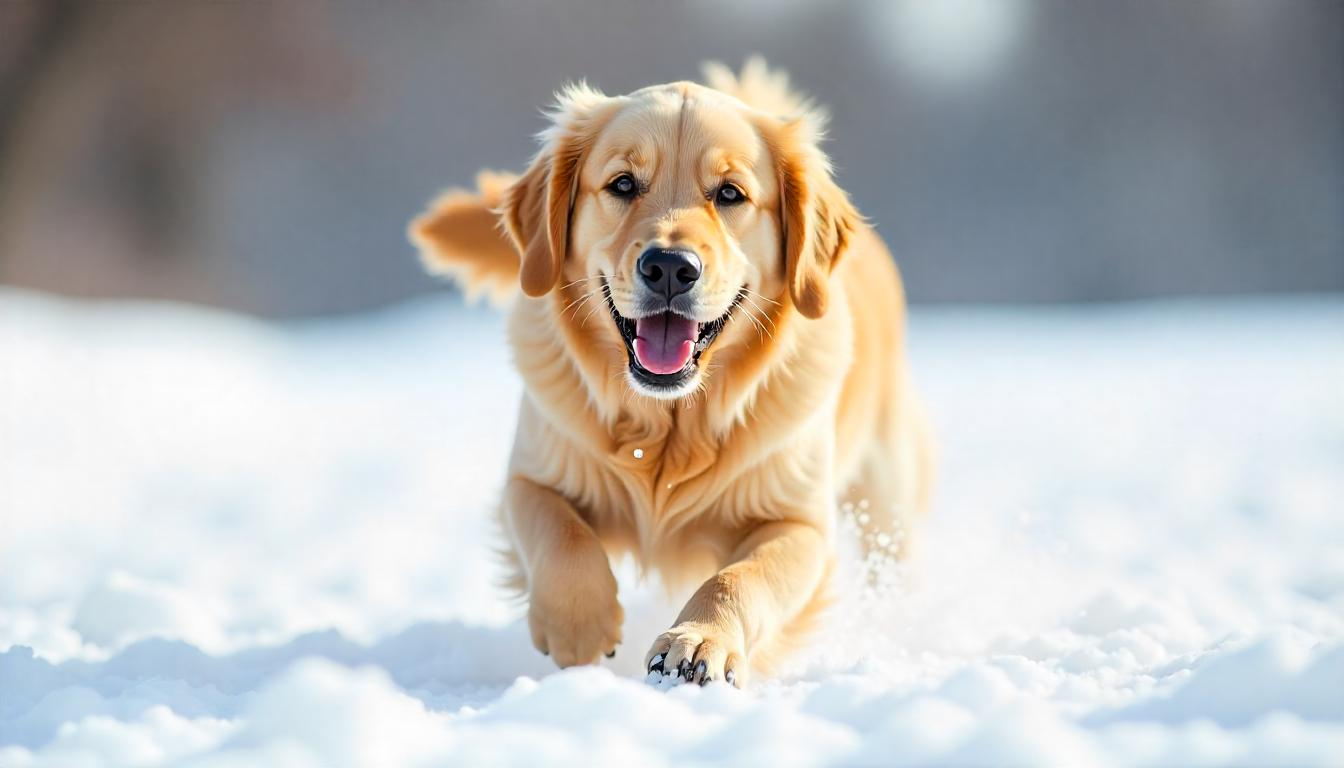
x=224 y=542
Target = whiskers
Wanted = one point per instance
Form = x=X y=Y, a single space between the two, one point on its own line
x=757 y=314
x=573 y=283
x=762 y=297
x=605 y=290
x=573 y=307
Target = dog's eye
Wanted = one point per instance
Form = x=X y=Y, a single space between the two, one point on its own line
x=623 y=186
x=729 y=194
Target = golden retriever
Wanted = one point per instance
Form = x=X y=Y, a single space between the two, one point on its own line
x=711 y=343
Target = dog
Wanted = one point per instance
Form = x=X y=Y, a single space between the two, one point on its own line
x=711 y=340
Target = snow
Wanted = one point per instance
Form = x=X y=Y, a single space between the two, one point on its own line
x=227 y=542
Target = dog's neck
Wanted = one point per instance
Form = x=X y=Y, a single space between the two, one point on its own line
x=576 y=376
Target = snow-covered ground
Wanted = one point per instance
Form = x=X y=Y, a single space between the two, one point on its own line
x=224 y=542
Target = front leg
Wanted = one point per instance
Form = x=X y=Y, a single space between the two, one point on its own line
x=572 y=609
x=774 y=574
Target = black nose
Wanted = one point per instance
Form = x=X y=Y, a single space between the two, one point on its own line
x=669 y=272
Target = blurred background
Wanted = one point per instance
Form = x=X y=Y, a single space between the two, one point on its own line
x=265 y=157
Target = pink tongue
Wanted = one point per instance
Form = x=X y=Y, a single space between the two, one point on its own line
x=664 y=342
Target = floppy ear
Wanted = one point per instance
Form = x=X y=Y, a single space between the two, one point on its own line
x=818 y=219
x=528 y=224
x=537 y=208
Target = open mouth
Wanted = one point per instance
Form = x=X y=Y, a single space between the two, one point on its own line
x=665 y=347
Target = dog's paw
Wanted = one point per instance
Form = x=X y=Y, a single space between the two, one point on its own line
x=693 y=652
x=574 y=619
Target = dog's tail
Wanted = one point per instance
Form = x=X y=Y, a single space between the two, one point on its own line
x=459 y=236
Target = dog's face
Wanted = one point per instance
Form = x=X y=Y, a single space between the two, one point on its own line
x=674 y=206
x=676 y=222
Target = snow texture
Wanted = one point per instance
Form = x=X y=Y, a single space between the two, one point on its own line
x=233 y=543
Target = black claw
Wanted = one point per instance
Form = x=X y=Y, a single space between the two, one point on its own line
x=656 y=664
x=702 y=671
x=611 y=654
x=684 y=669
x=730 y=678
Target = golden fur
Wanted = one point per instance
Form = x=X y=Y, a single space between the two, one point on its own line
x=803 y=399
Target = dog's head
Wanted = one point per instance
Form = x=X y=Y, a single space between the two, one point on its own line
x=694 y=216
